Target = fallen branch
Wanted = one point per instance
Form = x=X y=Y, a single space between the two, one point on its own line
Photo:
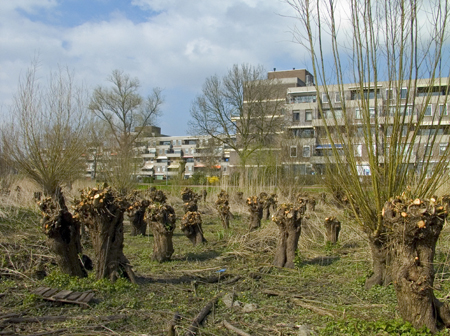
x=297 y=299
x=320 y=311
x=49 y=332
x=201 y=316
x=233 y=328
x=38 y=319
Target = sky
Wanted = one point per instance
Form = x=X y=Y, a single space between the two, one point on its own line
x=171 y=44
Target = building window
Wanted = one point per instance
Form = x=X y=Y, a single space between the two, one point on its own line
x=429 y=110
x=293 y=151
x=358 y=150
x=442 y=149
x=306 y=151
x=308 y=115
x=428 y=150
x=372 y=112
x=324 y=98
x=295 y=116
x=337 y=97
x=403 y=93
x=389 y=94
x=443 y=110
x=358 y=114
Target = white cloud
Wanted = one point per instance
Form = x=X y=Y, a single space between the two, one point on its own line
x=181 y=44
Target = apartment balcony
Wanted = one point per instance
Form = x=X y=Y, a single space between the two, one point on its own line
x=148 y=155
x=176 y=154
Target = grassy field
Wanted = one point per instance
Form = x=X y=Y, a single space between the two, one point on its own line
x=323 y=295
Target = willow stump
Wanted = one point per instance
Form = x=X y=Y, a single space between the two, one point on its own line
x=102 y=212
x=223 y=207
x=63 y=233
x=381 y=259
x=157 y=196
x=269 y=202
x=191 y=225
x=416 y=225
x=288 y=218
x=255 y=207
x=136 y=212
x=332 y=227
x=311 y=204
x=161 y=218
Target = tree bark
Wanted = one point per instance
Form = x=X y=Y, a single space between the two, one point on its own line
x=333 y=227
x=136 y=213
x=63 y=232
x=416 y=226
x=255 y=208
x=223 y=207
x=103 y=214
x=162 y=245
x=162 y=223
x=288 y=219
x=381 y=260
x=191 y=225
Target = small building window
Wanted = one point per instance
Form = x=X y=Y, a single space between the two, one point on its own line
x=358 y=113
x=293 y=151
x=324 y=98
x=308 y=115
x=428 y=150
x=358 y=150
x=403 y=93
x=442 y=149
x=443 y=110
x=429 y=110
x=306 y=151
x=295 y=116
x=337 y=97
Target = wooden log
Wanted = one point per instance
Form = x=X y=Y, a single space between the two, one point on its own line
x=233 y=328
x=201 y=316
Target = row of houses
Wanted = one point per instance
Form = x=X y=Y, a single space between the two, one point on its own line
x=303 y=143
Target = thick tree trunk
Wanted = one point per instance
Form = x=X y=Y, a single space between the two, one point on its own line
x=380 y=261
x=225 y=220
x=63 y=232
x=416 y=226
x=103 y=214
x=161 y=218
x=191 y=225
x=288 y=219
x=162 y=245
x=138 y=224
x=223 y=207
x=333 y=227
x=255 y=219
x=106 y=231
x=255 y=207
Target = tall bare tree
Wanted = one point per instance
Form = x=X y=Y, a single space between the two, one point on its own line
x=241 y=110
x=391 y=44
x=126 y=113
x=45 y=142
x=47 y=136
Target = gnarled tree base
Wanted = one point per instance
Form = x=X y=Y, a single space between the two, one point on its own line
x=416 y=226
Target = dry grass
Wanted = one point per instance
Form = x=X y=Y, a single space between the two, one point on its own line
x=327 y=283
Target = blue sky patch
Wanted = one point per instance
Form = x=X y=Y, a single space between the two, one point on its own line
x=72 y=13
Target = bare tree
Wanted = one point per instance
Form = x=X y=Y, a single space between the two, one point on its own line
x=241 y=110
x=399 y=139
x=127 y=114
x=47 y=137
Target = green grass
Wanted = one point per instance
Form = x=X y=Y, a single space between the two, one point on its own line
x=325 y=292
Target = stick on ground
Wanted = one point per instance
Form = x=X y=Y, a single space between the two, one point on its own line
x=233 y=328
